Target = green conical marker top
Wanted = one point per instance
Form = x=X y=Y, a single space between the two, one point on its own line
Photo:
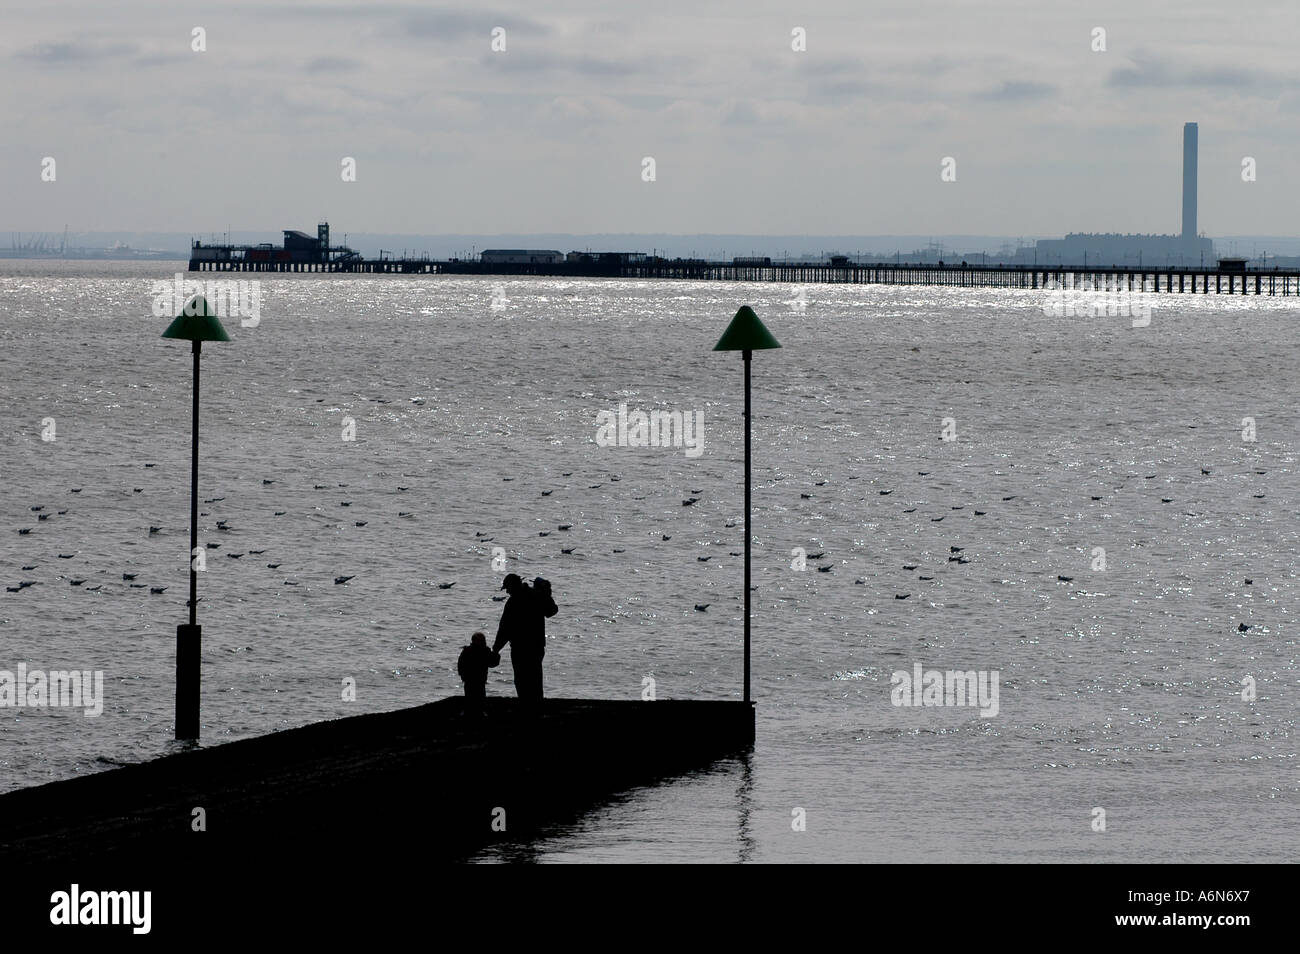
x=746 y=333
x=197 y=322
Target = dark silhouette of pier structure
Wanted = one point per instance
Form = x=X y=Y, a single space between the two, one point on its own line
x=301 y=253
x=428 y=782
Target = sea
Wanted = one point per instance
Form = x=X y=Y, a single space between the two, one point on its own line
x=1094 y=513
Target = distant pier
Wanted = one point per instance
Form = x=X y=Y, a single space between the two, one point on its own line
x=426 y=781
x=1221 y=279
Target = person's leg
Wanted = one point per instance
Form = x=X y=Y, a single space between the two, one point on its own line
x=524 y=679
x=520 y=665
x=535 y=679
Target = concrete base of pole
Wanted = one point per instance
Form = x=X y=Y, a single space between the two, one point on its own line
x=189 y=643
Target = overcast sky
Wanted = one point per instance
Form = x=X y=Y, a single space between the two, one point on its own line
x=748 y=136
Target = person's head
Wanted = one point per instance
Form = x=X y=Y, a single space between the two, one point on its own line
x=513 y=584
x=478 y=639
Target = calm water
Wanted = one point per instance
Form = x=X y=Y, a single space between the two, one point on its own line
x=1119 y=689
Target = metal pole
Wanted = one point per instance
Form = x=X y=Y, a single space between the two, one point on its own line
x=194 y=493
x=189 y=639
x=747 y=355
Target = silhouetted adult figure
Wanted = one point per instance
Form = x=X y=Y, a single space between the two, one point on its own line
x=523 y=626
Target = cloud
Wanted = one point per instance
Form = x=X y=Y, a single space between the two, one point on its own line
x=595 y=67
x=739 y=114
x=832 y=66
x=159 y=59
x=843 y=89
x=1015 y=91
x=331 y=64
x=1154 y=73
x=446 y=25
x=414 y=88
x=58 y=54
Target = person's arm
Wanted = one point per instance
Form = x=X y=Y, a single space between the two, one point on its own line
x=504 y=628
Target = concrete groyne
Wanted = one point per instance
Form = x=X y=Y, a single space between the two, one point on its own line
x=425 y=780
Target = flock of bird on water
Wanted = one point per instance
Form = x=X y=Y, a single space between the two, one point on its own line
x=955 y=552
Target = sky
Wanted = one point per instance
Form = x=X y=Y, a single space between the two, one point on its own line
x=748 y=135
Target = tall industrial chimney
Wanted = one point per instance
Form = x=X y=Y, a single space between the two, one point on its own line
x=1189 y=182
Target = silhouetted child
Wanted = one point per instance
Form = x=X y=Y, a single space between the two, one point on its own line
x=473 y=664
